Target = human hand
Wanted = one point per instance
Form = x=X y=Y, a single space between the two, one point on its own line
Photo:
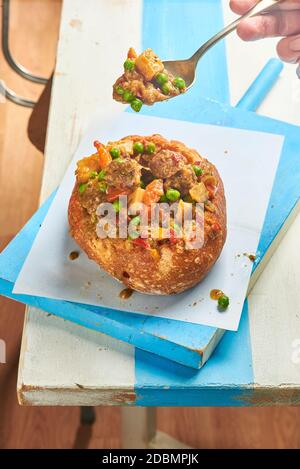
x=283 y=21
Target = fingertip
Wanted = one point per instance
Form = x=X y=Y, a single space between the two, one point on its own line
x=247 y=30
x=235 y=6
x=241 y=6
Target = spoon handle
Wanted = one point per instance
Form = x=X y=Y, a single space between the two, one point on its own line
x=263 y=6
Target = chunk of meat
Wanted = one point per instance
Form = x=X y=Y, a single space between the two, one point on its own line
x=166 y=163
x=92 y=196
x=123 y=173
x=183 y=180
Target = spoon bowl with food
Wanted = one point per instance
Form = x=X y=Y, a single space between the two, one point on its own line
x=146 y=80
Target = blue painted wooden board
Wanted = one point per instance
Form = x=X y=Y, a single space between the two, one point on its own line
x=180 y=342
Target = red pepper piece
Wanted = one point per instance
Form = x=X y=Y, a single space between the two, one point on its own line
x=144 y=243
x=216 y=227
x=114 y=194
x=173 y=238
x=211 y=191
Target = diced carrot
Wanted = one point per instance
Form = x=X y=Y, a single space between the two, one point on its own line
x=153 y=192
x=86 y=166
x=103 y=153
x=131 y=53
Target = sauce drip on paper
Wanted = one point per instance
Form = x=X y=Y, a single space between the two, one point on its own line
x=73 y=255
x=126 y=293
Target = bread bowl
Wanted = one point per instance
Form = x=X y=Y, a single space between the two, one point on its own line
x=149 y=170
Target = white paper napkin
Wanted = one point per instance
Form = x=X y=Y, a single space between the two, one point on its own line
x=247 y=162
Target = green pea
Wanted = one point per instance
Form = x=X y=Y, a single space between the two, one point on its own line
x=177 y=228
x=128 y=96
x=136 y=104
x=101 y=175
x=116 y=206
x=179 y=83
x=172 y=195
x=162 y=78
x=164 y=199
x=197 y=170
x=129 y=65
x=138 y=147
x=119 y=90
x=82 y=188
x=115 y=152
x=93 y=174
x=223 y=302
x=136 y=220
x=165 y=88
x=134 y=235
x=102 y=186
x=150 y=148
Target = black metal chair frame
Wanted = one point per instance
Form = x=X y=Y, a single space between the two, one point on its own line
x=18 y=68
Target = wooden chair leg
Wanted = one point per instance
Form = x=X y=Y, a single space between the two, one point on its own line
x=139 y=430
x=138 y=427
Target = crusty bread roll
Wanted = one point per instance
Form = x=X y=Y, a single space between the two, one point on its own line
x=147 y=170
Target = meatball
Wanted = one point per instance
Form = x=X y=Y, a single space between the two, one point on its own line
x=183 y=180
x=166 y=163
x=92 y=196
x=144 y=160
x=123 y=173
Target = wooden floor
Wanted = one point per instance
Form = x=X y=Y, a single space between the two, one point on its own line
x=34 y=31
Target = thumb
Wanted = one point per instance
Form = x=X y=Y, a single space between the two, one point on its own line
x=288 y=49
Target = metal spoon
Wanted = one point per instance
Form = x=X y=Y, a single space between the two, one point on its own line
x=186 y=69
